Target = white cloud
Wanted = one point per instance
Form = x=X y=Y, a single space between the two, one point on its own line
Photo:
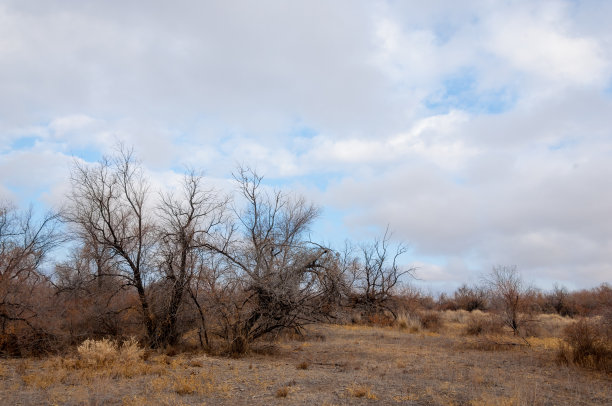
x=535 y=42
x=387 y=99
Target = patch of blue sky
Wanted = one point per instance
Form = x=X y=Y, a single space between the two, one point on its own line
x=330 y=228
x=305 y=132
x=608 y=89
x=462 y=92
x=444 y=32
x=563 y=144
x=88 y=154
x=23 y=143
x=28 y=197
x=459 y=180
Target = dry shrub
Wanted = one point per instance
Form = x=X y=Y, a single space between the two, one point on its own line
x=9 y=344
x=380 y=319
x=410 y=322
x=282 y=392
x=361 y=391
x=552 y=325
x=431 y=321
x=98 y=353
x=303 y=365
x=28 y=342
x=532 y=328
x=187 y=385
x=130 y=350
x=477 y=325
x=458 y=316
x=238 y=347
x=588 y=343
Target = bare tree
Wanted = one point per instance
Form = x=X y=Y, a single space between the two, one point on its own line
x=377 y=274
x=470 y=298
x=187 y=222
x=509 y=296
x=93 y=299
x=108 y=207
x=24 y=245
x=272 y=277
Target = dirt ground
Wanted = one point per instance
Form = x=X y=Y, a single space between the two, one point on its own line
x=331 y=365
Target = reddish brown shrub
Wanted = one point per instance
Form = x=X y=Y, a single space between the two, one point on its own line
x=588 y=343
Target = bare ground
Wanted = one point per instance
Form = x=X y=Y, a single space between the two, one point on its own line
x=334 y=365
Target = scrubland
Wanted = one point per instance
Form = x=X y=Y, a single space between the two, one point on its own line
x=201 y=297
x=438 y=359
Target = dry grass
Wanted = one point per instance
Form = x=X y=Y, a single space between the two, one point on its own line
x=282 y=392
x=361 y=391
x=588 y=343
x=354 y=365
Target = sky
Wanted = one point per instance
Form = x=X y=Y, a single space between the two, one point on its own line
x=480 y=132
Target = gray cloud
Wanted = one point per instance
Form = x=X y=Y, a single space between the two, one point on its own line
x=480 y=132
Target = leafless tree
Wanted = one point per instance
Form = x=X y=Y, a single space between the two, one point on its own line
x=24 y=245
x=272 y=276
x=509 y=296
x=377 y=274
x=470 y=298
x=109 y=208
x=187 y=222
x=93 y=299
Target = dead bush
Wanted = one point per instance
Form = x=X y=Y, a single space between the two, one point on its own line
x=282 y=392
x=361 y=391
x=431 y=321
x=381 y=320
x=588 y=343
x=99 y=353
x=408 y=321
x=483 y=325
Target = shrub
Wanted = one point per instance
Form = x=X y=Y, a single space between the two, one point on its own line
x=483 y=325
x=409 y=322
x=98 y=352
x=431 y=321
x=380 y=319
x=103 y=352
x=282 y=392
x=361 y=391
x=588 y=343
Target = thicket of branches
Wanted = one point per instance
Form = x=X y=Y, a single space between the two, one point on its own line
x=159 y=264
x=227 y=269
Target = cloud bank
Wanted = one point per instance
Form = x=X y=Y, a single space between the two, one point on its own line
x=480 y=132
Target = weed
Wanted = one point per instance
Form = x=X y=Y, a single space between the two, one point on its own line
x=361 y=391
x=282 y=392
x=303 y=365
x=98 y=352
x=186 y=385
